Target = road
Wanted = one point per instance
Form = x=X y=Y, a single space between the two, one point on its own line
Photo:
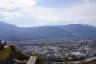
x=32 y=60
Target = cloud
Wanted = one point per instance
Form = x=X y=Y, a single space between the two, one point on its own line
x=11 y=4
x=80 y=12
x=8 y=15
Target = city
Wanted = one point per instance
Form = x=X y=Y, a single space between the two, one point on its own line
x=60 y=50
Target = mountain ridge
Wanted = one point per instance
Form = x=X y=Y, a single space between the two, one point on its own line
x=12 y=32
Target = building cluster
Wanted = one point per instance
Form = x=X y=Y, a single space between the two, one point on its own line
x=60 y=49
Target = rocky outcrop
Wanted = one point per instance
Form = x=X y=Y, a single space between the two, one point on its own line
x=10 y=54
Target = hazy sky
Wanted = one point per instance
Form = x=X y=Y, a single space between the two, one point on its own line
x=48 y=12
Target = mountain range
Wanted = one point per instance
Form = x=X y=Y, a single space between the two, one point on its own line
x=12 y=32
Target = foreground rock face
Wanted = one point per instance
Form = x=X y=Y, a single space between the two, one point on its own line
x=10 y=54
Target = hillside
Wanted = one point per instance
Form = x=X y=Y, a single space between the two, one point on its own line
x=10 y=54
x=6 y=31
x=12 y=32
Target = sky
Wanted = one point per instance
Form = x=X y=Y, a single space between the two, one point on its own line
x=29 y=13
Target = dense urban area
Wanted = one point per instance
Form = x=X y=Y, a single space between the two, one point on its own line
x=60 y=50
